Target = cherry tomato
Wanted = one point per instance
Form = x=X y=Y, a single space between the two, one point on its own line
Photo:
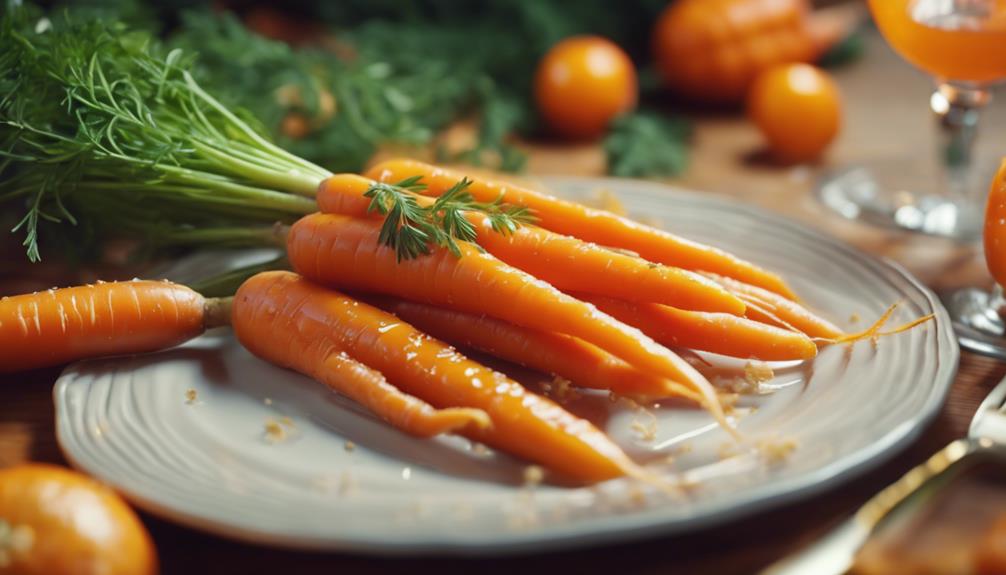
x=582 y=84
x=54 y=521
x=798 y=109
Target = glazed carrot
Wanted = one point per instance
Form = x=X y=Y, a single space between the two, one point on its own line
x=117 y=318
x=567 y=263
x=345 y=252
x=292 y=321
x=770 y=308
x=716 y=332
x=583 y=364
x=592 y=225
x=288 y=321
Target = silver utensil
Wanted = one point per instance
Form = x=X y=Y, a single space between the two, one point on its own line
x=834 y=553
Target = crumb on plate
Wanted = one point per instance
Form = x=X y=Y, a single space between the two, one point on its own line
x=561 y=389
x=533 y=475
x=644 y=425
x=775 y=451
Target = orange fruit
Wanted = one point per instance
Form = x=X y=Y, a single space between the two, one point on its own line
x=994 y=235
x=798 y=109
x=582 y=84
x=54 y=521
x=712 y=50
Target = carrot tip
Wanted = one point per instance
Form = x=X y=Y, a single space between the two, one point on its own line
x=908 y=326
x=874 y=330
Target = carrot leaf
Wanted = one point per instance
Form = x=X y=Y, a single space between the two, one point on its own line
x=410 y=229
x=95 y=114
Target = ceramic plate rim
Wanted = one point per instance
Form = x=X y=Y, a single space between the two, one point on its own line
x=613 y=529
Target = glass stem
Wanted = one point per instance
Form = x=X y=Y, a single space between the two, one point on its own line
x=997 y=301
x=957 y=109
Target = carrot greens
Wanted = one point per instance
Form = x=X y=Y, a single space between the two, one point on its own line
x=104 y=128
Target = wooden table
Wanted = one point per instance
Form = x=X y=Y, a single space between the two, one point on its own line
x=886 y=112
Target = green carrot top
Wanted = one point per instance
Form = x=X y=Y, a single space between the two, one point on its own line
x=100 y=123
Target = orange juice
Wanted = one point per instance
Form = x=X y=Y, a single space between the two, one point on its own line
x=995 y=227
x=963 y=40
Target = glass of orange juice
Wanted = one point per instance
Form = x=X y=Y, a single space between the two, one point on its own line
x=980 y=316
x=962 y=44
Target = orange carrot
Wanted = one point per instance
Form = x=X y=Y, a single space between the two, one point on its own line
x=345 y=252
x=716 y=332
x=284 y=319
x=592 y=225
x=567 y=263
x=583 y=364
x=294 y=322
x=61 y=325
x=769 y=307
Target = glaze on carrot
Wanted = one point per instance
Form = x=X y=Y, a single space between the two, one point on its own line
x=567 y=263
x=769 y=307
x=115 y=318
x=295 y=322
x=592 y=225
x=571 y=358
x=715 y=332
x=286 y=320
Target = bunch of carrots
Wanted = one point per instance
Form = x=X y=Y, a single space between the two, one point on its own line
x=581 y=293
x=390 y=268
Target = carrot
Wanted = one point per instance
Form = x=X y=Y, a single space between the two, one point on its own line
x=583 y=364
x=716 y=332
x=285 y=320
x=567 y=263
x=294 y=322
x=768 y=307
x=345 y=252
x=592 y=225
x=117 y=318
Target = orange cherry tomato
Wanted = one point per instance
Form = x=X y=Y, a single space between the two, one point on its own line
x=798 y=109
x=582 y=84
x=54 y=521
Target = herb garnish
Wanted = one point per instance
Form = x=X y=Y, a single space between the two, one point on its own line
x=410 y=228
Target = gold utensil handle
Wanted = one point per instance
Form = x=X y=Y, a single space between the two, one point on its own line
x=834 y=553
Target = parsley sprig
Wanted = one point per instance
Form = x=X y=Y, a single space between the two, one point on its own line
x=410 y=228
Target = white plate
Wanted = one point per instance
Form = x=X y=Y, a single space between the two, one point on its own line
x=208 y=465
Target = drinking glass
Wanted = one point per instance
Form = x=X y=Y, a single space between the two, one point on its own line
x=962 y=44
x=978 y=315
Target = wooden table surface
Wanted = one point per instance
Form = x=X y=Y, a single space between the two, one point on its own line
x=886 y=113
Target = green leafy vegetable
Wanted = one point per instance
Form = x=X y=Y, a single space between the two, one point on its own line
x=848 y=50
x=645 y=144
